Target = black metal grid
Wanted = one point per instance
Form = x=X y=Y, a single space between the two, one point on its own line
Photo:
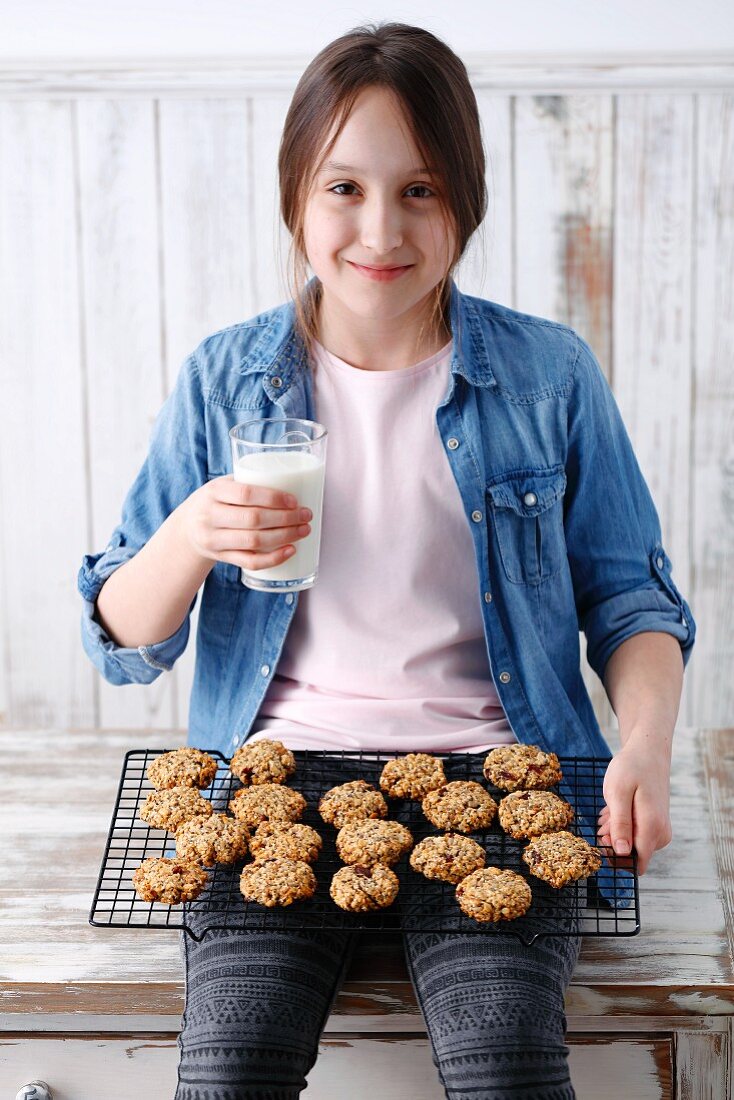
x=607 y=904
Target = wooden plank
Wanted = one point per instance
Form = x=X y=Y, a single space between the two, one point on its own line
x=348 y=1015
x=563 y=237
x=125 y=389
x=549 y=72
x=206 y=240
x=93 y=1066
x=51 y=960
x=652 y=369
x=718 y=761
x=712 y=521
x=487 y=267
x=563 y=174
x=395 y=1066
x=269 y=239
x=206 y=236
x=43 y=447
x=702 y=1066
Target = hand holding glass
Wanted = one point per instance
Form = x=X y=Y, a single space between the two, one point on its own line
x=288 y=455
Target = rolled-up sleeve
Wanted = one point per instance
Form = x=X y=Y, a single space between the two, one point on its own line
x=621 y=573
x=175 y=467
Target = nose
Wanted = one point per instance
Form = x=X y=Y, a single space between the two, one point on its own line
x=381 y=227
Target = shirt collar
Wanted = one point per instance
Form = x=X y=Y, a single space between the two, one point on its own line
x=279 y=351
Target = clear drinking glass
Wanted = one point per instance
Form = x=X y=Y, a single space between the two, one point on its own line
x=290 y=455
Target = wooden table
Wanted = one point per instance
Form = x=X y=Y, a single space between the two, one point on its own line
x=95 y=1012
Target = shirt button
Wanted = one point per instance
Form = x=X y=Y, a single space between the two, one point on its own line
x=452 y=444
x=661 y=563
x=530 y=499
x=265 y=670
x=276 y=382
x=236 y=739
x=505 y=677
x=487 y=597
x=476 y=516
x=289 y=598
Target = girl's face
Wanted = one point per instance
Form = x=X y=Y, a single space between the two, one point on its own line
x=371 y=206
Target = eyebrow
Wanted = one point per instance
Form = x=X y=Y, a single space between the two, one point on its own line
x=332 y=165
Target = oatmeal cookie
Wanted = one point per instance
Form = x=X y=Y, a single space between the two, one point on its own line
x=368 y=842
x=267 y=802
x=493 y=894
x=354 y=801
x=358 y=889
x=277 y=881
x=184 y=767
x=515 y=767
x=559 y=858
x=170 y=808
x=214 y=839
x=412 y=776
x=449 y=857
x=286 y=839
x=462 y=806
x=169 y=880
x=529 y=813
x=263 y=762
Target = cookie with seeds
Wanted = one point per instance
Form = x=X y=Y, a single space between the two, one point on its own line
x=525 y=814
x=526 y=767
x=267 y=802
x=412 y=776
x=184 y=767
x=449 y=857
x=169 y=881
x=168 y=809
x=560 y=858
x=214 y=839
x=371 y=841
x=286 y=839
x=462 y=806
x=492 y=894
x=263 y=761
x=359 y=889
x=353 y=801
x=277 y=881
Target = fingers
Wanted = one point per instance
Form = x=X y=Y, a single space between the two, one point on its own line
x=229 y=491
x=260 y=541
x=604 y=838
x=237 y=517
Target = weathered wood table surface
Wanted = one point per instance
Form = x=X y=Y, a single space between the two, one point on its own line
x=95 y=1012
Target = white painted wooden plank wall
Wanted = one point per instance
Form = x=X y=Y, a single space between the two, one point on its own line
x=139 y=212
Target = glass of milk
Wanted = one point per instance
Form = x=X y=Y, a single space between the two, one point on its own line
x=290 y=455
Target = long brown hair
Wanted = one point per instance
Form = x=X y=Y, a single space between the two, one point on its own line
x=433 y=86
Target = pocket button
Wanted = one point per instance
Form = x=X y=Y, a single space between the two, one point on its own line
x=530 y=499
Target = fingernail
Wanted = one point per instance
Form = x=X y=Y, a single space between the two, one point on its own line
x=622 y=848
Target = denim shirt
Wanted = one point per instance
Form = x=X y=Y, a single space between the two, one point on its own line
x=566 y=535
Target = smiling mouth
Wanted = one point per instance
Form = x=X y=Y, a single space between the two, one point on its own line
x=380 y=274
x=380 y=267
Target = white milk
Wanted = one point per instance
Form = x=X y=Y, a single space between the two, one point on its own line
x=300 y=473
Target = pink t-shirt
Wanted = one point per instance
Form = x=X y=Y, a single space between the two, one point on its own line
x=387 y=650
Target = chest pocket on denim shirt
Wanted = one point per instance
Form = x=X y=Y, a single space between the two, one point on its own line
x=526 y=511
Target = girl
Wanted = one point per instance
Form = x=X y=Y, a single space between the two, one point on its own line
x=482 y=504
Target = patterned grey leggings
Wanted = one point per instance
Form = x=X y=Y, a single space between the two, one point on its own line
x=257 y=1002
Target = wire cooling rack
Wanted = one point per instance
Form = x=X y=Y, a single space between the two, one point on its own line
x=606 y=904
